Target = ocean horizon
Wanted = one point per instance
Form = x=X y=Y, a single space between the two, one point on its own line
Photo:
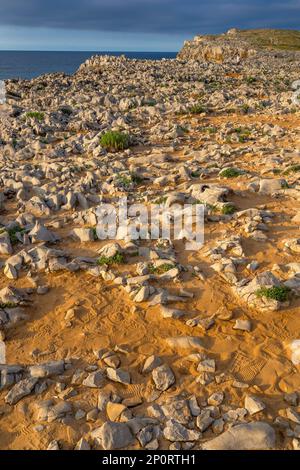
x=31 y=64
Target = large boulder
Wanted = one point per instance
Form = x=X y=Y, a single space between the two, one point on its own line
x=83 y=234
x=271 y=186
x=47 y=369
x=20 y=390
x=113 y=435
x=192 y=343
x=248 y=292
x=250 y=436
x=40 y=233
x=163 y=377
x=210 y=193
x=5 y=244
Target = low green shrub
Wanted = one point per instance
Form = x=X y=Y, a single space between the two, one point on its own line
x=197 y=109
x=279 y=293
x=230 y=173
x=114 y=140
x=229 y=209
x=38 y=116
x=163 y=268
x=118 y=258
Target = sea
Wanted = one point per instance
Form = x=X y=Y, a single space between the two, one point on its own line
x=30 y=64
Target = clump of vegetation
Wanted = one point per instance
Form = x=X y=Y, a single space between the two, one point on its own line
x=40 y=87
x=161 y=200
x=250 y=80
x=67 y=111
x=211 y=130
x=118 y=258
x=292 y=169
x=163 y=268
x=211 y=207
x=7 y=305
x=230 y=173
x=245 y=108
x=214 y=85
x=231 y=110
x=94 y=230
x=12 y=233
x=184 y=129
x=124 y=180
x=243 y=134
x=114 y=140
x=229 y=209
x=127 y=180
x=38 y=116
x=295 y=168
x=197 y=109
x=136 y=178
x=150 y=102
x=279 y=293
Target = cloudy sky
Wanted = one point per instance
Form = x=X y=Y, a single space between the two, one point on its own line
x=132 y=25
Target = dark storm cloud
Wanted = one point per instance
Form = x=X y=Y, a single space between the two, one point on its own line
x=150 y=16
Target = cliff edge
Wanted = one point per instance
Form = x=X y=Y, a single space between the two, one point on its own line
x=236 y=45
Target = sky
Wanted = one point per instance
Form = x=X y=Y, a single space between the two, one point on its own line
x=132 y=25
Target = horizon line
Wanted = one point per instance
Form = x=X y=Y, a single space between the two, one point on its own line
x=86 y=50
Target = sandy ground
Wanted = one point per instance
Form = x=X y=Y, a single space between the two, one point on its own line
x=106 y=317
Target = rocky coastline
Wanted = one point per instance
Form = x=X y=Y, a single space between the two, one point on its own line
x=140 y=344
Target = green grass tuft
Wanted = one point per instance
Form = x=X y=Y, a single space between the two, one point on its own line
x=250 y=80
x=230 y=173
x=124 y=180
x=94 y=230
x=281 y=294
x=7 y=305
x=13 y=233
x=136 y=178
x=161 y=200
x=38 y=116
x=245 y=108
x=211 y=207
x=211 y=130
x=292 y=169
x=114 y=140
x=228 y=210
x=164 y=268
x=197 y=109
x=118 y=258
